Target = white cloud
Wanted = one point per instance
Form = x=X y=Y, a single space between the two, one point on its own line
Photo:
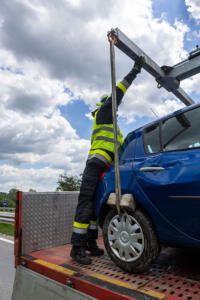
x=167 y=107
x=40 y=139
x=44 y=179
x=31 y=93
x=70 y=41
x=196 y=33
x=194 y=9
x=64 y=45
x=192 y=85
x=142 y=98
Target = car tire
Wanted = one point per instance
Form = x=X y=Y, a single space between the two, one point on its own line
x=133 y=247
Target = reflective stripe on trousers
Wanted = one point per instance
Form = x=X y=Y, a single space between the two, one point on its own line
x=80 y=230
x=80 y=227
x=93 y=225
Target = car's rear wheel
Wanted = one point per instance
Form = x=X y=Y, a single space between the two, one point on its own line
x=132 y=246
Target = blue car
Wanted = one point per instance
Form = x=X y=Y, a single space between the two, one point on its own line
x=160 y=181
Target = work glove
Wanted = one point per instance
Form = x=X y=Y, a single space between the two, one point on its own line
x=139 y=62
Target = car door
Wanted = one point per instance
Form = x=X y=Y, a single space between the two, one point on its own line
x=167 y=168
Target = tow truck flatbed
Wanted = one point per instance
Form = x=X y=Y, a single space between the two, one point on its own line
x=39 y=247
x=175 y=275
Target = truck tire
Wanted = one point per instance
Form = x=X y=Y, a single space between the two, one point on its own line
x=133 y=247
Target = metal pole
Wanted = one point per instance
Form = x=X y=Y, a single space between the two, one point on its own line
x=114 y=114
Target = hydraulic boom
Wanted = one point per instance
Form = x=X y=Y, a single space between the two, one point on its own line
x=166 y=76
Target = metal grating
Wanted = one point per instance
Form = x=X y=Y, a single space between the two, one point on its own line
x=47 y=219
x=105 y=266
x=177 y=283
x=175 y=276
x=174 y=282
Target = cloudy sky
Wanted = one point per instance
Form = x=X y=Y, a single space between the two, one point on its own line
x=54 y=65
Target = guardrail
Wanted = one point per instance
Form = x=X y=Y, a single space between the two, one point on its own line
x=7 y=208
x=7 y=217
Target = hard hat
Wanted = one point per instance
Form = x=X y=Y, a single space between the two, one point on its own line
x=103 y=99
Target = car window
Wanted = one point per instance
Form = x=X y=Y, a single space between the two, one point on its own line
x=182 y=131
x=152 y=139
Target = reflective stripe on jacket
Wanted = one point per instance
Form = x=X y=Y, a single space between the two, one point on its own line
x=103 y=139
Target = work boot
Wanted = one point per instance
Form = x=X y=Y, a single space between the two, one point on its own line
x=93 y=248
x=79 y=255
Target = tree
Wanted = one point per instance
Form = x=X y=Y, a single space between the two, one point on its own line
x=32 y=191
x=3 y=197
x=9 y=197
x=12 y=194
x=68 y=183
x=10 y=203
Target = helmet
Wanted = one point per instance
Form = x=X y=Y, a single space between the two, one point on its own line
x=103 y=99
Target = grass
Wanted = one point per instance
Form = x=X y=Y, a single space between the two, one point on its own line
x=7 y=229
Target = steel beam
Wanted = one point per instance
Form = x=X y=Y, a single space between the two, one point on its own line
x=133 y=51
x=169 y=82
x=186 y=69
x=181 y=94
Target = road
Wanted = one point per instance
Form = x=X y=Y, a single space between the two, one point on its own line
x=7 y=270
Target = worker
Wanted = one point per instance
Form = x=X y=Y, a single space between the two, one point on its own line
x=101 y=154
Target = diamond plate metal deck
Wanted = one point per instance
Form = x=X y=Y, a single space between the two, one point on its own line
x=47 y=219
